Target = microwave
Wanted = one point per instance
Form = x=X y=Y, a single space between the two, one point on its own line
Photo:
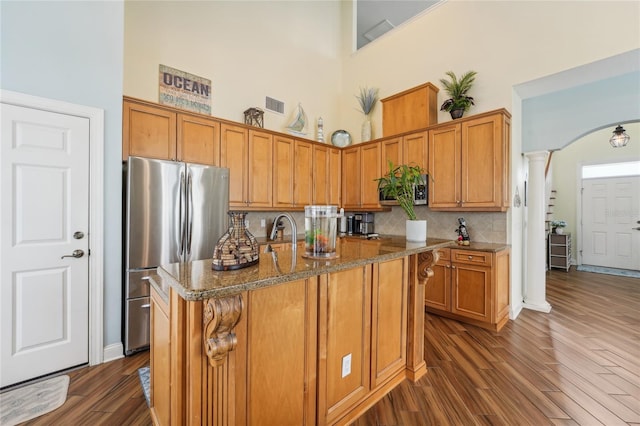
x=420 y=195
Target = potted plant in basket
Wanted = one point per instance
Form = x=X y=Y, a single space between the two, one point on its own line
x=457 y=88
x=367 y=99
x=557 y=226
x=399 y=183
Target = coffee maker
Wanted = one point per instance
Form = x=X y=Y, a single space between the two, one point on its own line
x=366 y=224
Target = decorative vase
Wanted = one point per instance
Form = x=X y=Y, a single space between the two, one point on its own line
x=237 y=248
x=559 y=230
x=366 y=129
x=456 y=113
x=416 y=231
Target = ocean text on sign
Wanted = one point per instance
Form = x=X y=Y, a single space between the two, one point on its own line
x=183 y=90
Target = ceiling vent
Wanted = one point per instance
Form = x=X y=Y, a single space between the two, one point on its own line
x=378 y=30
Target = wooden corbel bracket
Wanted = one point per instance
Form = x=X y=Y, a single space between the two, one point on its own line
x=220 y=317
x=425 y=261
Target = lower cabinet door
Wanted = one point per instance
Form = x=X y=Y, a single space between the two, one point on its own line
x=389 y=320
x=471 y=291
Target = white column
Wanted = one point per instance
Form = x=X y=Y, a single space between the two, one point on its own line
x=535 y=292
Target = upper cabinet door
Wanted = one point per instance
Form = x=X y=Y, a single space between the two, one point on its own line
x=351 y=196
x=260 y=168
x=335 y=176
x=370 y=171
x=283 y=174
x=482 y=162
x=233 y=155
x=321 y=175
x=302 y=177
x=148 y=131
x=415 y=150
x=391 y=151
x=444 y=166
x=198 y=140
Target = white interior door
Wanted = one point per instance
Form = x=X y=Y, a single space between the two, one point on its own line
x=610 y=214
x=44 y=193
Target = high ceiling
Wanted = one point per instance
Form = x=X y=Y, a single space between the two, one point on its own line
x=375 y=17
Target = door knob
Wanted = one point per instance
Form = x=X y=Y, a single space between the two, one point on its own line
x=76 y=253
x=78 y=235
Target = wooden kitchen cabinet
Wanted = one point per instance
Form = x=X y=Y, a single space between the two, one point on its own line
x=327 y=172
x=410 y=149
x=388 y=320
x=469 y=164
x=160 y=357
x=248 y=155
x=292 y=172
x=344 y=343
x=198 y=140
x=351 y=164
x=302 y=174
x=283 y=174
x=276 y=362
x=360 y=168
x=152 y=131
x=471 y=286
x=412 y=109
x=369 y=172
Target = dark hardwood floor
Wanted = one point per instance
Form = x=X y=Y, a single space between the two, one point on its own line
x=577 y=365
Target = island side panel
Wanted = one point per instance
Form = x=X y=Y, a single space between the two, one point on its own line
x=275 y=374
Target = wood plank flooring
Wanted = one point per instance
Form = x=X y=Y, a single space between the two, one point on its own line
x=577 y=365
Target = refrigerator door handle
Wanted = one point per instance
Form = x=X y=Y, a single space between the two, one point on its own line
x=182 y=209
x=189 y=223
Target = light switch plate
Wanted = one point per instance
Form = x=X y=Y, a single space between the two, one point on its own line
x=346 y=365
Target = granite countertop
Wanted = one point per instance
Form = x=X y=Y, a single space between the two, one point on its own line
x=197 y=280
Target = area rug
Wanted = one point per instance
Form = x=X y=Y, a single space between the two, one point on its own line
x=31 y=401
x=609 y=271
x=143 y=374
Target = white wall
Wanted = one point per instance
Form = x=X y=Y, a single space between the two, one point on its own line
x=567 y=163
x=288 y=50
x=72 y=51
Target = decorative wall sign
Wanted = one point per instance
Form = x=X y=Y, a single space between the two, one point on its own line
x=185 y=91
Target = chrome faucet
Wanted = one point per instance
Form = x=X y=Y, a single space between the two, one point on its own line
x=294 y=229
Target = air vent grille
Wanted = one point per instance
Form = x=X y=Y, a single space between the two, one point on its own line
x=274 y=105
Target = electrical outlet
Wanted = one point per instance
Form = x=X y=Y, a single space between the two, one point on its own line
x=346 y=365
x=247 y=224
x=263 y=223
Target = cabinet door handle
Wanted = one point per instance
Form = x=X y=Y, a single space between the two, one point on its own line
x=470 y=257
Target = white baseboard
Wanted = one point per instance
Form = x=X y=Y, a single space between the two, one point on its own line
x=113 y=352
x=515 y=311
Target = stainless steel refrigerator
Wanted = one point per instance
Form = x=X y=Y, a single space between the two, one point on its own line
x=175 y=212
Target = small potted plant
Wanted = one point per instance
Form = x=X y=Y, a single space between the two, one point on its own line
x=399 y=183
x=557 y=226
x=367 y=99
x=457 y=88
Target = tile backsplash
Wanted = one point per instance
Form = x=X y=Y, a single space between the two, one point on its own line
x=483 y=227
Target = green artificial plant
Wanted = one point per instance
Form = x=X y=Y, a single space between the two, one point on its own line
x=457 y=89
x=399 y=183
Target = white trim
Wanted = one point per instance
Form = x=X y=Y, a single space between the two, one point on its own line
x=96 y=201
x=113 y=351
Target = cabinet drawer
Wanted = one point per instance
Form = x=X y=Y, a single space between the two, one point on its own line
x=471 y=257
x=558 y=250
x=558 y=238
x=444 y=255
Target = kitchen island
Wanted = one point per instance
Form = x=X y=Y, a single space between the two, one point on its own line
x=292 y=340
